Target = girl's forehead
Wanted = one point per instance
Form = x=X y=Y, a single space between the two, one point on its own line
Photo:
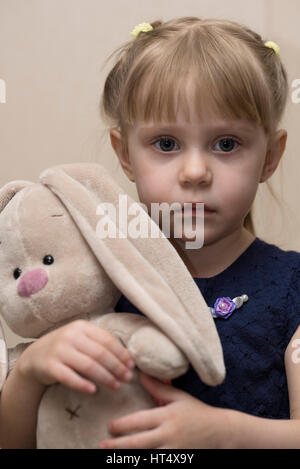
x=186 y=99
x=214 y=123
x=191 y=114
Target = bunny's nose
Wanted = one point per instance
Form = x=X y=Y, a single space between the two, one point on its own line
x=32 y=282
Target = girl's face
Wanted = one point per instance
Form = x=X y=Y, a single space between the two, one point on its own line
x=218 y=163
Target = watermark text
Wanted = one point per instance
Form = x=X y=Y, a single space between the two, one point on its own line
x=296 y=92
x=2 y=91
x=164 y=220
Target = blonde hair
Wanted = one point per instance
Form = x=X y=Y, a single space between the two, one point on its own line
x=234 y=75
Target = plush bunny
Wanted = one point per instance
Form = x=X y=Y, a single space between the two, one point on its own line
x=55 y=268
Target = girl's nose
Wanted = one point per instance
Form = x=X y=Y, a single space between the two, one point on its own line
x=195 y=169
x=32 y=282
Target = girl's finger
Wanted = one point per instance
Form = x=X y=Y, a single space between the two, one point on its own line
x=103 y=357
x=109 y=341
x=139 y=421
x=144 y=440
x=88 y=367
x=71 y=379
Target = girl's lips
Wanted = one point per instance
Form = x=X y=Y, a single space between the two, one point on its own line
x=192 y=207
x=196 y=213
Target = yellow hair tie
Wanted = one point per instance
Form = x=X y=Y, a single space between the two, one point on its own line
x=142 y=27
x=274 y=46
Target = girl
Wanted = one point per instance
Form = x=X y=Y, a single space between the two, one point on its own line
x=194 y=107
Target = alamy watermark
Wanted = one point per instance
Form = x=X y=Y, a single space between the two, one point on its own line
x=296 y=352
x=296 y=92
x=2 y=91
x=295 y=96
x=133 y=222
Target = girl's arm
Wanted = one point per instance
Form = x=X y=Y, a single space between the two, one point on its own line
x=250 y=432
x=20 y=398
x=77 y=355
x=186 y=422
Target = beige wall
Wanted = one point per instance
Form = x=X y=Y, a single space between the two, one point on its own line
x=51 y=59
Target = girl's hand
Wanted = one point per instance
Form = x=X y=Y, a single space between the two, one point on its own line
x=183 y=422
x=74 y=352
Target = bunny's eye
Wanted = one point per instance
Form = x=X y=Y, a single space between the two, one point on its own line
x=48 y=259
x=17 y=272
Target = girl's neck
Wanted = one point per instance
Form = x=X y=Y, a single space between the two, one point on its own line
x=214 y=258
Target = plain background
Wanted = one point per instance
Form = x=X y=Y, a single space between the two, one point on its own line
x=52 y=55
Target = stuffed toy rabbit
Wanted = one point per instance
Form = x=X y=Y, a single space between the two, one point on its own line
x=55 y=268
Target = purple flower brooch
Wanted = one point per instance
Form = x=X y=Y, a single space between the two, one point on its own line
x=224 y=306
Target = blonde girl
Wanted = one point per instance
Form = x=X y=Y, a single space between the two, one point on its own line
x=194 y=108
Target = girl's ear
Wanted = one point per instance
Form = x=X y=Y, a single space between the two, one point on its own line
x=123 y=155
x=274 y=155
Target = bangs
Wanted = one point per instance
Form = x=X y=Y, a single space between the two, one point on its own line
x=221 y=74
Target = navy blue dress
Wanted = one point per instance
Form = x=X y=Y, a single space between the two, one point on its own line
x=254 y=337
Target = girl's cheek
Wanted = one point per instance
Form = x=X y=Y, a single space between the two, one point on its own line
x=151 y=190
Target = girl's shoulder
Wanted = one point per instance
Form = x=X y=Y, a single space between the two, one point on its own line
x=285 y=259
x=283 y=271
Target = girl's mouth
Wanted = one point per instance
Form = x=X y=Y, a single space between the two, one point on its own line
x=194 y=210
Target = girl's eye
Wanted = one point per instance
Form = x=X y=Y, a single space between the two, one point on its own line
x=227 y=144
x=166 y=144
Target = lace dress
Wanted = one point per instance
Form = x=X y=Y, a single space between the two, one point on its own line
x=255 y=336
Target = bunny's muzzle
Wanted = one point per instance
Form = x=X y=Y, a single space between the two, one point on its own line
x=32 y=282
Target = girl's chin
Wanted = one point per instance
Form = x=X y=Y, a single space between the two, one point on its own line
x=183 y=231
x=188 y=236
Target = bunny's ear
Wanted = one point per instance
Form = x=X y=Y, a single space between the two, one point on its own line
x=10 y=189
x=148 y=271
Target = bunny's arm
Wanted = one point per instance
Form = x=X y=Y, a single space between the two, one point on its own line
x=8 y=356
x=8 y=359
x=15 y=352
x=153 y=352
